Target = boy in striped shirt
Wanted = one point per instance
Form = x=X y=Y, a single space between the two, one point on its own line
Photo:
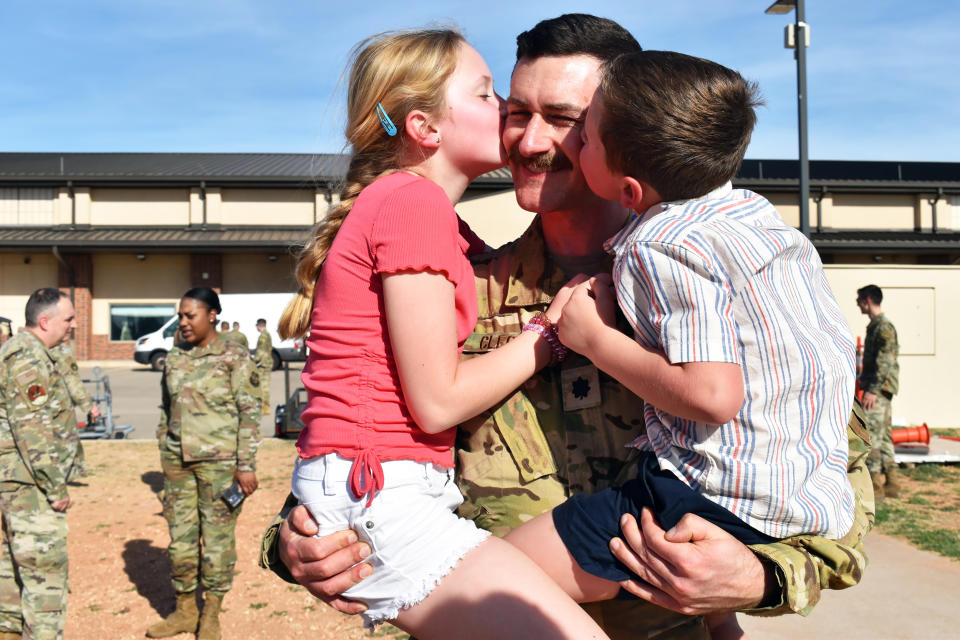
x=740 y=351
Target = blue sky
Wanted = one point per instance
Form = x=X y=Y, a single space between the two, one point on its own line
x=255 y=76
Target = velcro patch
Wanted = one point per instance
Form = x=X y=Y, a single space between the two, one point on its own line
x=25 y=378
x=254 y=379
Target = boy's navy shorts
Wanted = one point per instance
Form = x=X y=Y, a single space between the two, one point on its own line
x=586 y=523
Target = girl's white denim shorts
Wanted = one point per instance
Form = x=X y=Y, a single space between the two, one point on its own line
x=415 y=536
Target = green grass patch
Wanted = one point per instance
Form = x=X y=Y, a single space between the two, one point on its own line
x=914 y=522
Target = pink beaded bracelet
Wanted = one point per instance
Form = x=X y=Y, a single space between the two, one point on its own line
x=548 y=330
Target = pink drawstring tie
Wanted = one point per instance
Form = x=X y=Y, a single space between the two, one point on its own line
x=366 y=475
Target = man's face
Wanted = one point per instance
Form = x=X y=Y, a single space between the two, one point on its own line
x=864 y=304
x=545 y=111
x=61 y=318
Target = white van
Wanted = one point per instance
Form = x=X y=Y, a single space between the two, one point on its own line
x=244 y=308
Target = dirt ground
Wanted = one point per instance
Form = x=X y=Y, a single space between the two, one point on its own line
x=120 y=574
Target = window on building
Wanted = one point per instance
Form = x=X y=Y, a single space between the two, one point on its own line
x=26 y=206
x=131 y=321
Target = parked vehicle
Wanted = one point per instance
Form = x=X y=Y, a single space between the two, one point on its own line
x=244 y=308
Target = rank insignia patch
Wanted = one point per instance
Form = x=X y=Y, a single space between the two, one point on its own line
x=254 y=379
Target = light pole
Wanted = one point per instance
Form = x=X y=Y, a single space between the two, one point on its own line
x=797 y=36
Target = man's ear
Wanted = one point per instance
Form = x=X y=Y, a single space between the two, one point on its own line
x=631 y=192
x=419 y=129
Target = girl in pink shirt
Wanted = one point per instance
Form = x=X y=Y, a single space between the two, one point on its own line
x=387 y=316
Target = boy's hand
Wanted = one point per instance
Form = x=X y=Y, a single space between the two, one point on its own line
x=555 y=309
x=591 y=309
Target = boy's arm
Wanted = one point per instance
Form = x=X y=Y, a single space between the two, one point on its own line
x=709 y=392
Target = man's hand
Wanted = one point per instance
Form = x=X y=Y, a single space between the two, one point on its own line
x=94 y=413
x=61 y=504
x=868 y=400
x=247 y=481
x=591 y=308
x=326 y=566
x=696 y=568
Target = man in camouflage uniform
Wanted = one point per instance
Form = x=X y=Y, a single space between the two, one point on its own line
x=208 y=435
x=67 y=363
x=566 y=429
x=263 y=359
x=38 y=447
x=236 y=335
x=879 y=381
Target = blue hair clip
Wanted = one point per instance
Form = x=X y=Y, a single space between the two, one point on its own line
x=385 y=120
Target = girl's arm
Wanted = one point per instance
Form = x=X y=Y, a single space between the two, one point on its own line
x=710 y=392
x=439 y=389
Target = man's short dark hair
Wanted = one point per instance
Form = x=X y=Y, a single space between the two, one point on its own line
x=870 y=292
x=40 y=302
x=261 y=321
x=679 y=123
x=576 y=34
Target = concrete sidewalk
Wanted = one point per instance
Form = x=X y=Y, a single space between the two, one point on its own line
x=905 y=593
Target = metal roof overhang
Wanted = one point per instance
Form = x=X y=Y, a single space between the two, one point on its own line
x=155 y=238
x=886 y=241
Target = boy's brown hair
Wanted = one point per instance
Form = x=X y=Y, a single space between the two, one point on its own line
x=679 y=123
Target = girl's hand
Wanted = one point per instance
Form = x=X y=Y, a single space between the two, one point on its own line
x=247 y=481
x=555 y=309
x=591 y=309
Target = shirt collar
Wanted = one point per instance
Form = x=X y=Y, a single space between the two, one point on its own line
x=633 y=223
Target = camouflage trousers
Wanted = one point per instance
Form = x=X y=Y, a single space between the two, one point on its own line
x=878 y=421
x=202 y=541
x=33 y=565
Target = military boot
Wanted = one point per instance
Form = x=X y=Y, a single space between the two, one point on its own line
x=892 y=487
x=9 y=635
x=183 y=620
x=878 y=482
x=210 y=620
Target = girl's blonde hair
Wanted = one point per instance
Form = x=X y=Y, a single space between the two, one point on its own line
x=402 y=72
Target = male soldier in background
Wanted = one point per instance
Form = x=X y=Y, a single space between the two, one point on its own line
x=38 y=447
x=565 y=430
x=67 y=364
x=879 y=381
x=237 y=335
x=263 y=359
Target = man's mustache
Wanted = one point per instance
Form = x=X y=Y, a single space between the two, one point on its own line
x=546 y=161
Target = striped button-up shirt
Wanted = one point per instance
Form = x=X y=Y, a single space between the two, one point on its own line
x=724 y=279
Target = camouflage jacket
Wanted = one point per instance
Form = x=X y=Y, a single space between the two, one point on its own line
x=210 y=406
x=263 y=354
x=565 y=431
x=67 y=363
x=881 y=371
x=237 y=336
x=38 y=426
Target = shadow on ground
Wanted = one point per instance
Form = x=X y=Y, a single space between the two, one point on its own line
x=154 y=480
x=148 y=568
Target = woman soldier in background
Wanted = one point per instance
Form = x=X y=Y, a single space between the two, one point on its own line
x=209 y=432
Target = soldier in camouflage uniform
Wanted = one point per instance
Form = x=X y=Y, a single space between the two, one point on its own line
x=565 y=430
x=67 y=363
x=38 y=447
x=235 y=334
x=208 y=435
x=263 y=359
x=879 y=381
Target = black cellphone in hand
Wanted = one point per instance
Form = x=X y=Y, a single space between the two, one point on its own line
x=233 y=495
